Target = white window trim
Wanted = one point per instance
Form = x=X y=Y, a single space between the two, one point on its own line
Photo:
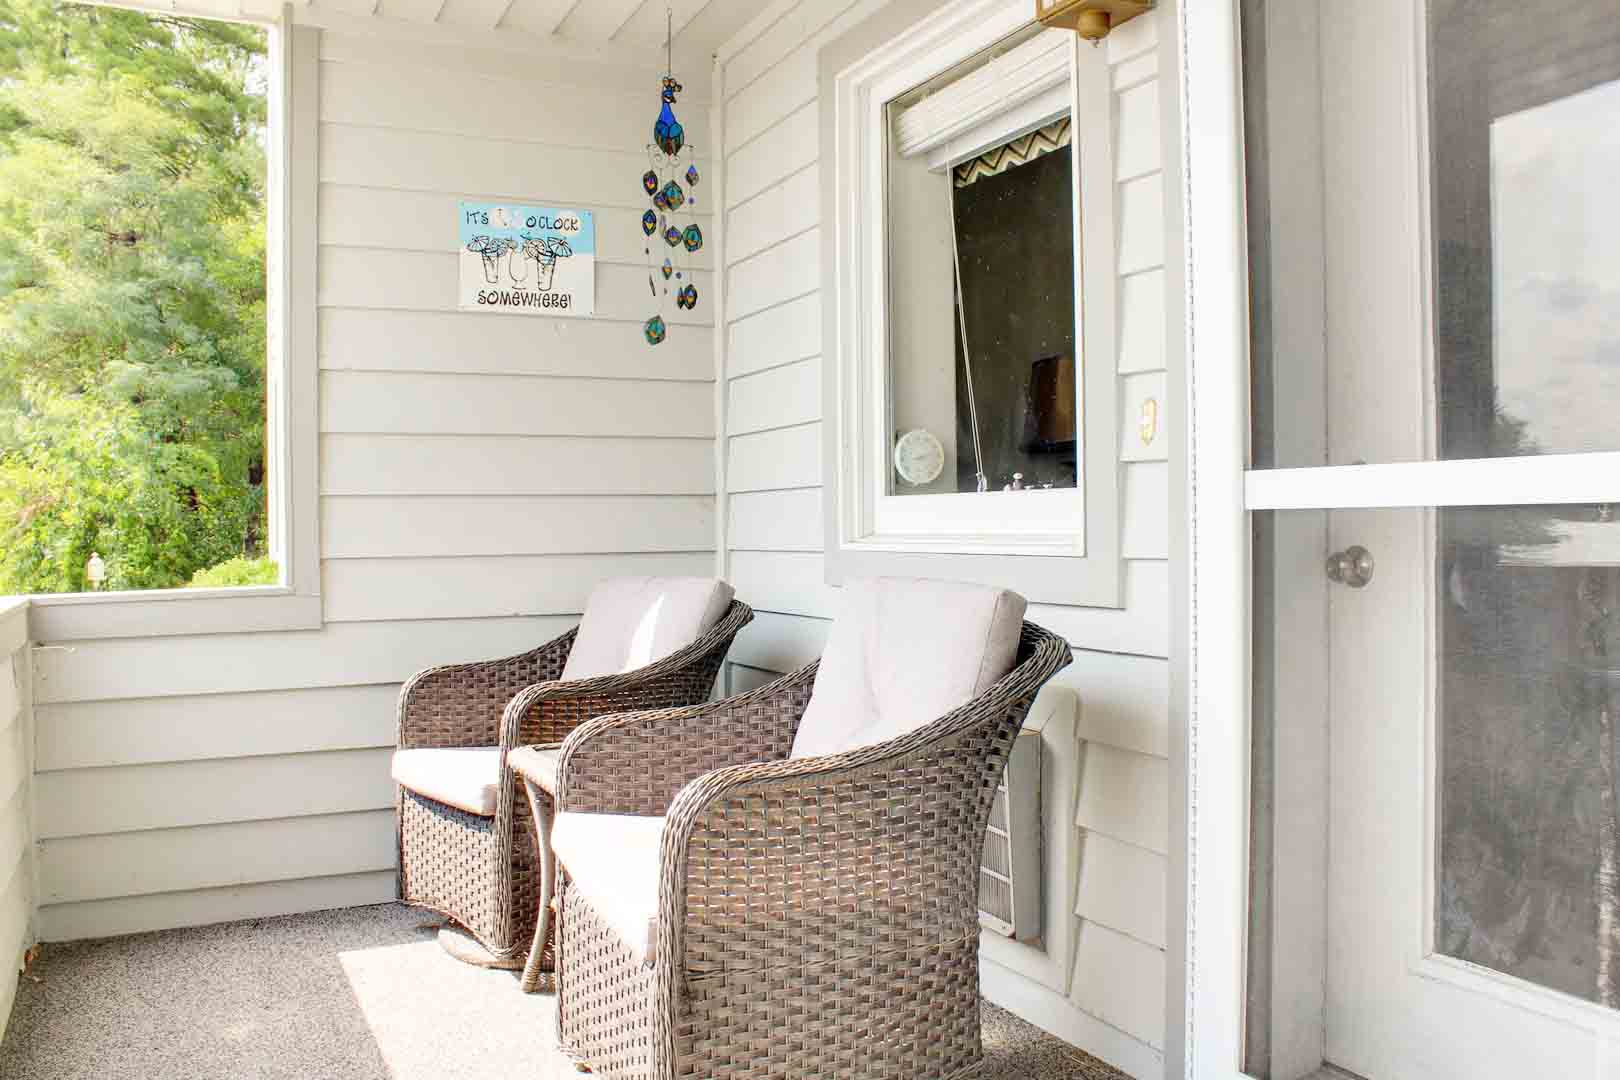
x=293 y=497
x=869 y=530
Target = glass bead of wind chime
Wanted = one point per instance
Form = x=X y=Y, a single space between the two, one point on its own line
x=666 y=156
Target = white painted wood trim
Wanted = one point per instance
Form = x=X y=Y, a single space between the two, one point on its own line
x=1549 y=479
x=722 y=339
x=18 y=888
x=1216 y=305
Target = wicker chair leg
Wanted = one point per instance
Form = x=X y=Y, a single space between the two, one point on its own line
x=545 y=928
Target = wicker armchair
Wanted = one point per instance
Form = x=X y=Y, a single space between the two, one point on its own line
x=815 y=916
x=481 y=869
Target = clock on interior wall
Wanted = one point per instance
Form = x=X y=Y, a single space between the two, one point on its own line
x=918 y=457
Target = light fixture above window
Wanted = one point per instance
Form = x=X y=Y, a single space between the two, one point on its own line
x=1091 y=19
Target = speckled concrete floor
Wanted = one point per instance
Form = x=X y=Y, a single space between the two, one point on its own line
x=359 y=994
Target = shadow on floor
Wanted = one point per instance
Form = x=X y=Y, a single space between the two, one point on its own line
x=356 y=994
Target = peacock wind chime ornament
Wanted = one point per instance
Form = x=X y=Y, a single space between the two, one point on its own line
x=670 y=162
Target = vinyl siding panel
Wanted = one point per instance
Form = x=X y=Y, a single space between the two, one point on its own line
x=781 y=459
x=148 y=731
x=443 y=526
x=381 y=464
x=478 y=474
x=773 y=444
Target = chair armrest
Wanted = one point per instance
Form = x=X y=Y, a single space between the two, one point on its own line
x=549 y=712
x=636 y=762
x=462 y=704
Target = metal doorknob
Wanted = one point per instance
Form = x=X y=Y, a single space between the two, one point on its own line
x=1353 y=566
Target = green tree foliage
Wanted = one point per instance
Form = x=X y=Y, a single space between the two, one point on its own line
x=238 y=571
x=132 y=295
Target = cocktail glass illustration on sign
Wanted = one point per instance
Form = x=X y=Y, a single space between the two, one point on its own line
x=492 y=249
x=526 y=260
x=545 y=251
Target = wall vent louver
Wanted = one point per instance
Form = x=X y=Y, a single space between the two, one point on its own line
x=1010 y=872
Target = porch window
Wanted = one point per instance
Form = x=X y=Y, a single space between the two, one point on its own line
x=974 y=277
x=149 y=343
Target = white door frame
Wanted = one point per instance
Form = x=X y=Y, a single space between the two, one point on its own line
x=1210 y=601
x=1212 y=496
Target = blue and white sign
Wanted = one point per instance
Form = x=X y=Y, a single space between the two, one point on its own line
x=527 y=260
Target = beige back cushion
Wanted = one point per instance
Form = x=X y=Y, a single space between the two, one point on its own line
x=903 y=652
x=630 y=622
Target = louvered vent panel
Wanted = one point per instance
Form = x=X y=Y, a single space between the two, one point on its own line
x=1010 y=872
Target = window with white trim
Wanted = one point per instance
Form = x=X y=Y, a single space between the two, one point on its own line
x=157 y=397
x=971 y=191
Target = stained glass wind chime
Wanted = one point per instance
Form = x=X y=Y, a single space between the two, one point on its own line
x=666 y=156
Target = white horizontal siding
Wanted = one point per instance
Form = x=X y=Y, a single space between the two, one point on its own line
x=1123 y=888
x=357 y=155
x=210 y=856
x=444 y=526
x=360 y=654
x=773 y=398
x=372 y=464
x=485 y=587
x=414 y=403
x=781 y=272
x=779 y=459
x=365 y=339
x=377 y=93
x=776 y=520
x=1121 y=981
x=771 y=345
x=778 y=213
x=785 y=149
x=145 y=731
x=126 y=799
x=563 y=68
x=1125 y=795
x=775 y=337
x=197 y=907
x=479 y=473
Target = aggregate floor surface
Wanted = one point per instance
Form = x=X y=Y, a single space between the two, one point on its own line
x=357 y=994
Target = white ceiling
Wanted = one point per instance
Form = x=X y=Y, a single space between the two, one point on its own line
x=700 y=26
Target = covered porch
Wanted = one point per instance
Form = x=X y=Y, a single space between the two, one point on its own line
x=198 y=856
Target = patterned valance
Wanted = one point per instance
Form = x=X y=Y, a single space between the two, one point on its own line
x=1054 y=136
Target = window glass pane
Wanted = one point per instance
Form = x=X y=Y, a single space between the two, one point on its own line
x=1529 y=695
x=133 y=332
x=1478 y=316
x=982 y=359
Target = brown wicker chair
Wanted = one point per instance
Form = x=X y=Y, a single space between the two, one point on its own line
x=815 y=916
x=482 y=871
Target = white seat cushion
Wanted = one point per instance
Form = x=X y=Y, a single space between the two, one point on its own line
x=613 y=859
x=538 y=763
x=466 y=777
x=902 y=653
x=630 y=622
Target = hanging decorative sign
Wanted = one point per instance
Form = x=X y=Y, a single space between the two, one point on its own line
x=671 y=182
x=527 y=260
